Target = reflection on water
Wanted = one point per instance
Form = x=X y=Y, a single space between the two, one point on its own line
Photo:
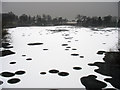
x=111 y=67
x=6 y=52
x=91 y=83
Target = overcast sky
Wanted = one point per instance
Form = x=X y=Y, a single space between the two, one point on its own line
x=60 y=0
x=65 y=9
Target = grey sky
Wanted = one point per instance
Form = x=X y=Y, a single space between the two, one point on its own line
x=65 y=9
x=60 y=0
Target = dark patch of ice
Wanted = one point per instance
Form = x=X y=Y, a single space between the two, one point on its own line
x=74 y=49
x=77 y=68
x=1 y=82
x=76 y=40
x=68 y=47
x=31 y=44
x=74 y=54
x=114 y=82
x=43 y=73
x=7 y=74
x=91 y=83
x=13 y=80
x=69 y=41
x=109 y=68
x=64 y=44
x=29 y=59
x=19 y=72
x=91 y=64
x=6 y=45
x=12 y=62
x=6 y=52
x=100 y=52
x=68 y=37
x=23 y=55
x=81 y=56
x=53 y=71
x=45 y=49
x=63 y=73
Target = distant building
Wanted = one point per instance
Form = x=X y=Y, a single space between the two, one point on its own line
x=71 y=23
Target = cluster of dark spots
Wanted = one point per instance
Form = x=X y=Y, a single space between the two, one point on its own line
x=55 y=71
x=10 y=74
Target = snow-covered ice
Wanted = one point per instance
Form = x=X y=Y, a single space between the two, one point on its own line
x=86 y=41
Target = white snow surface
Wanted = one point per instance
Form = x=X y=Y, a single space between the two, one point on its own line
x=86 y=41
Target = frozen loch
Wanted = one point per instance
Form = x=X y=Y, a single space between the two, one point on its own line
x=55 y=56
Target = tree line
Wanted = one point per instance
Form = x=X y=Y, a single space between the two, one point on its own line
x=11 y=20
x=106 y=21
